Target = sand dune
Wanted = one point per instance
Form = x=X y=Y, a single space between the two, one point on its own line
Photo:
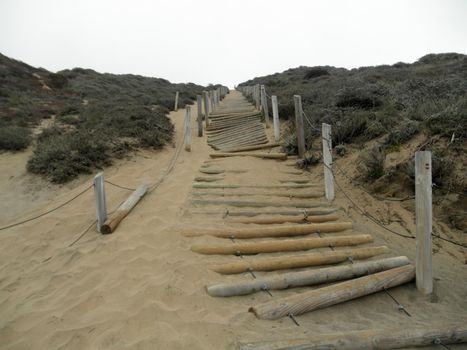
x=142 y=287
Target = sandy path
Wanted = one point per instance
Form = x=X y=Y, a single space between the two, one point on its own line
x=142 y=288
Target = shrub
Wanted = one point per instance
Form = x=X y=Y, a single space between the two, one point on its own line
x=341 y=150
x=356 y=98
x=402 y=133
x=346 y=130
x=14 y=138
x=315 y=72
x=64 y=156
x=373 y=160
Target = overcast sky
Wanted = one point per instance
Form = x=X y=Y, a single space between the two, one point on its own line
x=230 y=41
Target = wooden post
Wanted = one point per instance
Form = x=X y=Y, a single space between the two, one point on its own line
x=257 y=97
x=423 y=219
x=206 y=108
x=327 y=159
x=264 y=105
x=176 y=101
x=300 y=131
x=188 y=128
x=124 y=209
x=99 y=191
x=199 y=103
x=275 y=118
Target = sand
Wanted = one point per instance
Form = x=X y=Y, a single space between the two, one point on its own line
x=142 y=287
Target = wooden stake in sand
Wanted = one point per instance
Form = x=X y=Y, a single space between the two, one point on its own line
x=296 y=261
x=423 y=218
x=299 y=127
x=327 y=159
x=264 y=105
x=378 y=339
x=305 y=278
x=101 y=209
x=176 y=101
x=199 y=104
x=187 y=128
x=274 y=231
x=286 y=245
x=334 y=294
x=275 y=118
x=113 y=220
x=206 y=108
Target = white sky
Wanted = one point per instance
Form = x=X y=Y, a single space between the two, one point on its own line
x=226 y=41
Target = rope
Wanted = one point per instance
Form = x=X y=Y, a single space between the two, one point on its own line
x=47 y=212
x=119 y=186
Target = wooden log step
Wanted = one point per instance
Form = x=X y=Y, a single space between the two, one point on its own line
x=268 y=194
x=208 y=178
x=274 y=231
x=237 y=213
x=122 y=211
x=286 y=245
x=249 y=142
x=195 y=185
x=297 y=181
x=281 y=219
x=212 y=171
x=292 y=172
x=250 y=154
x=305 y=278
x=297 y=261
x=257 y=204
x=334 y=294
x=378 y=339
x=251 y=148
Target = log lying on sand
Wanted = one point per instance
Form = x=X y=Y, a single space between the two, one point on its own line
x=380 y=339
x=236 y=213
x=257 y=204
x=334 y=294
x=281 y=219
x=211 y=171
x=287 y=245
x=252 y=148
x=268 y=194
x=305 y=278
x=298 y=181
x=275 y=231
x=114 y=219
x=250 y=154
x=208 y=179
x=195 y=185
x=296 y=261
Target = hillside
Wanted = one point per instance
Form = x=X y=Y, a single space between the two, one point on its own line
x=378 y=113
x=79 y=120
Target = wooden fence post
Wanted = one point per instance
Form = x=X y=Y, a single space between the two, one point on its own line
x=327 y=160
x=275 y=118
x=206 y=108
x=257 y=97
x=264 y=105
x=99 y=191
x=199 y=103
x=299 y=126
x=423 y=220
x=176 y=101
x=188 y=128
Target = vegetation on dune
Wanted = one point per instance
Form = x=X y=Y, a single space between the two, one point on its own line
x=97 y=116
x=389 y=104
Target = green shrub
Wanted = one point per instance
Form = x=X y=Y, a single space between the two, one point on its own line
x=341 y=150
x=373 y=160
x=13 y=138
x=403 y=133
x=62 y=157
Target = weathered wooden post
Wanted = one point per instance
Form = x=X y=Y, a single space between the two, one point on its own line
x=327 y=159
x=211 y=100
x=275 y=118
x=423 y=220
x=176 y=101
x=264 y=105
x=257 y=97
x=199 y=104
x=188 y=128
x=300 y=131
x=206 y=108
x=101 y=208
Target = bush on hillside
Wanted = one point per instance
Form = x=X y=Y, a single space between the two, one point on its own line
x=14 y=138
x=373 y=161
